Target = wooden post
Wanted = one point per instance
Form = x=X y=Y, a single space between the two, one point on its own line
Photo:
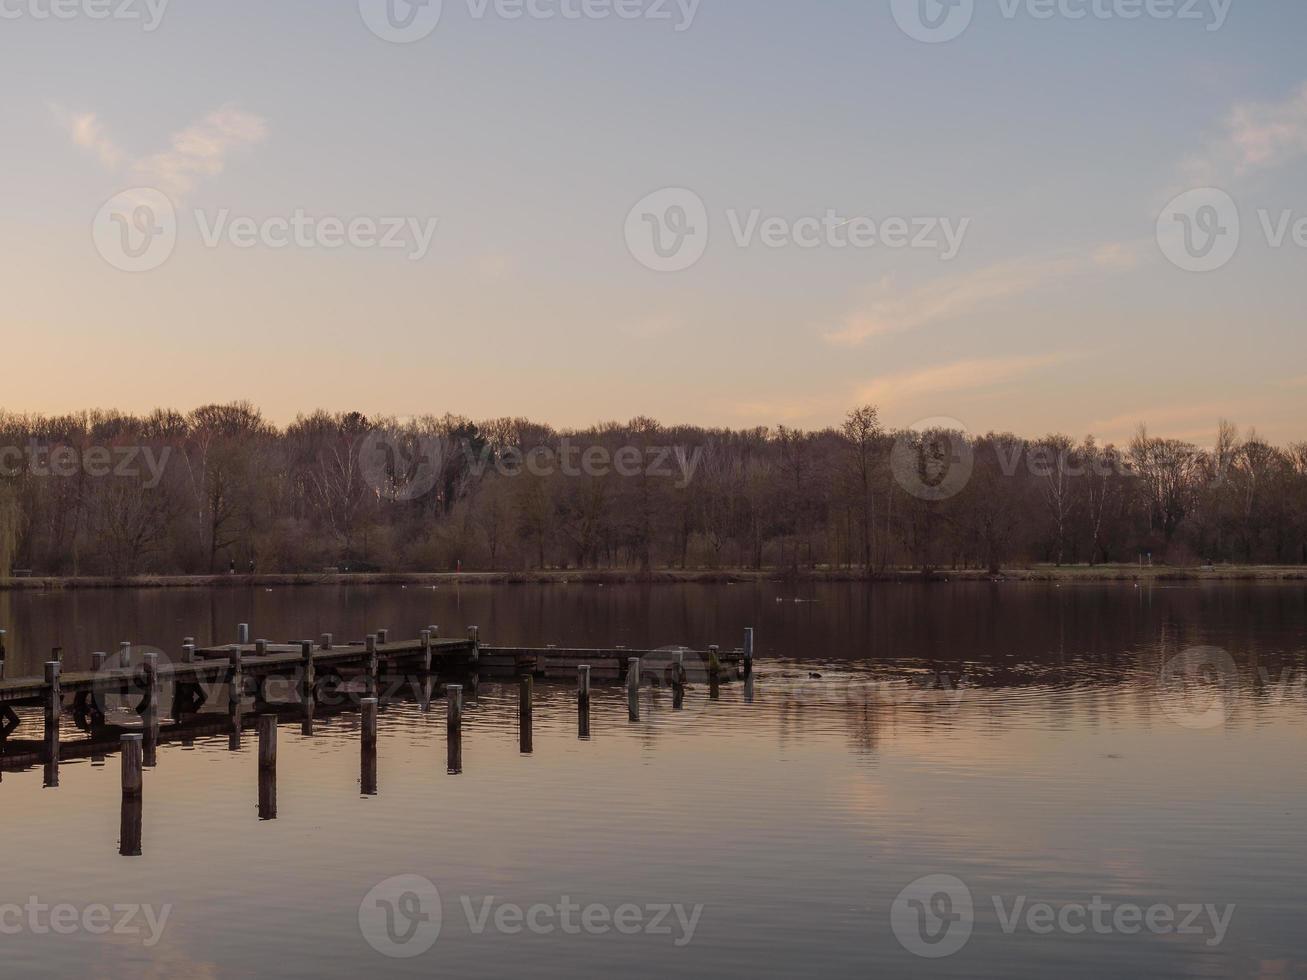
x=435 y=632
x=454 y=696
x=633 y=688
x=53 y=693
x=426 y=651
x=267 y=767
x=243 y=634
x=678 y=683
x=368 y=767
x=267 y=741
x=97 y=660
x=188 y=639
x=133 y=781
x=236 y=677
x=326 y=641
x=383 y=636
x=369 y=721
x=150 y=716
x=308 y=673
x=234 y=718
x=525 y=690
x=268 y=793
x=748 y=652
x=260 y=648
x=129 y=827
x=474 y=634
x=188 y=653
x=371 y=678
x=583 y=702
x=125 y=653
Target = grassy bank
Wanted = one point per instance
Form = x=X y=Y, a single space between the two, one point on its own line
x=1038 y=573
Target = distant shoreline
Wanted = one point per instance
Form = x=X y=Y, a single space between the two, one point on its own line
x=1042 y=573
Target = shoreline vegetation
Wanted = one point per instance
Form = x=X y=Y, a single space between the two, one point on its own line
x=674 y=576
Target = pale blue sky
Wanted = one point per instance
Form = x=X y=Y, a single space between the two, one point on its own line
x=531 y=141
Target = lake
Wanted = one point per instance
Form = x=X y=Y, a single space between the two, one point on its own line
x=970 y=780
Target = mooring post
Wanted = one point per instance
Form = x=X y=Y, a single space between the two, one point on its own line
x=369 y=721
x=633 y=688
x=133 y=758
x=53 y=692
x=243 y=634
x=748 y=652
x=583 y=701
x=678 y=683
x=188 y=639
x=308 y=674
x=454 y=696
x=326 y=641
x=97 y=660
x=383 y=636
x=236 y=675
x=426 y=651
x=129 y=827
x=260 y=648
x=125 y=653
x=267 y=741
x=371 y=678
x=474 y=634
x=188 y=653
x=525 y=690
x=368 y=761
x=435 y=632
x=268 y=792
x=150 y=717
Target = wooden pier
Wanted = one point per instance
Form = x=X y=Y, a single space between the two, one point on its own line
x=320 y=680
x=312 y=675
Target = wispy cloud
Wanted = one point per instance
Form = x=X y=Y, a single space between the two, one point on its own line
x=890 y=309
x=88 y=132
x=198 y=151
x=1254 y=136
x=956 y=376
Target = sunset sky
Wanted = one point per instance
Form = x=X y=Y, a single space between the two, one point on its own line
x=1055 y=143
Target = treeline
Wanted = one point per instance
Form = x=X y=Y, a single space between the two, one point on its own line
x=220 y=488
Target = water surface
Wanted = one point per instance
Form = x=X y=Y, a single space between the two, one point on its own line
x=1023 y=739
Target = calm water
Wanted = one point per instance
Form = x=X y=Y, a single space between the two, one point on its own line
x=1028 y=741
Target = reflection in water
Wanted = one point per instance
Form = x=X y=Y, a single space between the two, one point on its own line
x=1082 y=758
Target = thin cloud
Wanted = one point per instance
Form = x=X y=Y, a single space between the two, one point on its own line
x=200 y=150
x=957 y=376
x=889 y=309
x=1254 y=136
x=86 y=130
